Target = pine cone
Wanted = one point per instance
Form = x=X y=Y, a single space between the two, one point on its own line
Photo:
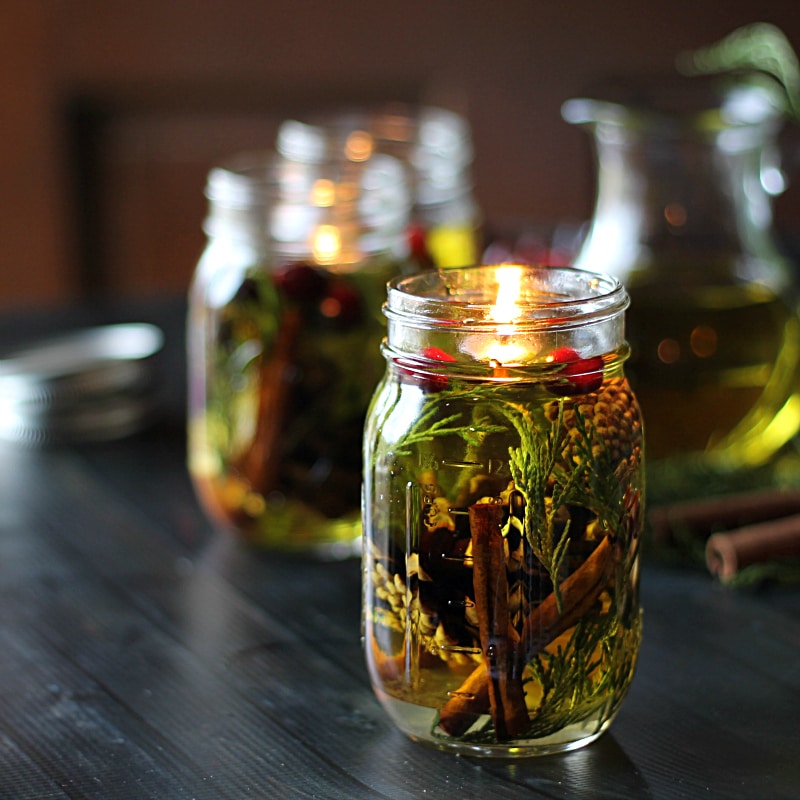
x=611 y=414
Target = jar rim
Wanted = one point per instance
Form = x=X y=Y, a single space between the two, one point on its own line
x=678 y=105
x=552 y=297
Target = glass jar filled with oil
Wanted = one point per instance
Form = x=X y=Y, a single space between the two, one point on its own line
x=283 y=334
x=285 y=317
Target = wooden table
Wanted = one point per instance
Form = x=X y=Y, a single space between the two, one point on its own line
x=143 y=655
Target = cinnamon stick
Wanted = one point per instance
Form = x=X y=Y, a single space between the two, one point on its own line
x=467 y=703
x=702 y=517
x=260 y=463
x=499 y=639
x=729 y=552
x=579 y=592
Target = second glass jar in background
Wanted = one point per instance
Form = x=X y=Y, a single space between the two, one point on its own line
x=435 y=146
x=283 y=340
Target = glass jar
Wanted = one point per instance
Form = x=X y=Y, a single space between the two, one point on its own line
x=283 y=336
x=445 y=207
x=435 y=146
x=503 y=504
x=686 y=173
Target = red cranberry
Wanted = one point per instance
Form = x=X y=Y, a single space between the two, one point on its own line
x=300 y=281
x=429 y=383
x=437 y=354
x=418 y=246
x=585 y=374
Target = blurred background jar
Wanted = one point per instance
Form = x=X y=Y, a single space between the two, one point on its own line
x=283 y=335
x=687 y=169
x=285 y=317
x=435 y=147
x=446 y=214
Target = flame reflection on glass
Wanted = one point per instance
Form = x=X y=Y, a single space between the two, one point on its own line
x=326 y=244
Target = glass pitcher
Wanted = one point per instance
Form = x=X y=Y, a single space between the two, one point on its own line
x=686 y=173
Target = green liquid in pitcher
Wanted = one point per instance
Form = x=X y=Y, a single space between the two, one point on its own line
x=716 y=371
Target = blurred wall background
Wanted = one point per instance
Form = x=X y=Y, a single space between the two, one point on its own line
x=113 y=112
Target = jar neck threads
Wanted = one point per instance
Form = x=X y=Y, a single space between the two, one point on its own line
x=454 y=320
x=335 y=214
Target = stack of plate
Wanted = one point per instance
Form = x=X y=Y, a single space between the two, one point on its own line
x=93 y=384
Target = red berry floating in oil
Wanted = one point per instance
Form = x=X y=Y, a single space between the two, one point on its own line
x=418 y=246
x=583 y=375
x=412 y=372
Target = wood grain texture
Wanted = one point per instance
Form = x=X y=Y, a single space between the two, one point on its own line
x=143 y=655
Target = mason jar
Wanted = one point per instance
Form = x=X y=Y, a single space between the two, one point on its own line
x=436 y=149
x=503 y=510
x=283 y=340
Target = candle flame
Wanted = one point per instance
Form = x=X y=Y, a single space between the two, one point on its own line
x=506 y=308
x=326 y=244
x=323 y=193
x=506 y=352
x=505 y=349
x=359 y=146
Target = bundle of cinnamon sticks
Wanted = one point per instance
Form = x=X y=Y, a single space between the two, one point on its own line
x=740 y=530
x=495 y=686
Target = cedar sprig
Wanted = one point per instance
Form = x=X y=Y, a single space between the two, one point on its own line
x=602 y=478
x=571 y=688
x=427 y=428
x=532 y=463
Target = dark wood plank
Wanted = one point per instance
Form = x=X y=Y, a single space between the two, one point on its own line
x=78 y=734
x=90 y=620
x=21 y=778
x=144 y=655
x=220 y=679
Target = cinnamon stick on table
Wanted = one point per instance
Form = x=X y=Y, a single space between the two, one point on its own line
x=701 y=517
x=579 y=592
x=730 y=551
x=499 y=639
